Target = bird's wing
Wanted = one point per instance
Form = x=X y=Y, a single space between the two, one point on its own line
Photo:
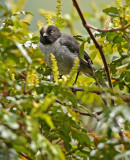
x=72 y=44
x=87 y=58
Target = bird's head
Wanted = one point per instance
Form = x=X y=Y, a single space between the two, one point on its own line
x=49 y=34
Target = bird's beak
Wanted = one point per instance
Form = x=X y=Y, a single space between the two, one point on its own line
x=45 y=35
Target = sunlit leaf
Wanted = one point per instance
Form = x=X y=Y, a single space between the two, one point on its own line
x=81 y=50
x=23 y=12
x=23 y=51
x=118 y=39
x=112 y=11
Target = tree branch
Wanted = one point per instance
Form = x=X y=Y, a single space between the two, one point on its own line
x=25 y=156
x=98 y=46
x=59 y=140
x=109 y=30
x=81 y=89
x=121 y=131
x=95 y=114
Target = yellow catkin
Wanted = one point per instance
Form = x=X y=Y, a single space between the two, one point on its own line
x=54 y=68
x=48 y=15
x=119 y=3
x=72 y=72
x=32 y=79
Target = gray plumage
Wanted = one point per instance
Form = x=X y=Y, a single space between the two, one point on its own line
x=65 y=49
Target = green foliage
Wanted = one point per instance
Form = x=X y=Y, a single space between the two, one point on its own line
x=81 y=50
x=41 y=119
x=112 y=11
x=127 y=2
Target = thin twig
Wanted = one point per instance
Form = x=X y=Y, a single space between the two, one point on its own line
x=58 y=101
x=25 y=156
x=73 y=151
x=109 y=30
x=59 y=140
x=41 y=128
x=121 y=131
x=98 y=46
x=81 y=89
x=95 y=114
x=21 y=76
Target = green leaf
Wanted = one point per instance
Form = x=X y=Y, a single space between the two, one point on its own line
x=40 y=70
x=43 y=106
x=84 y=139
x=110 y=36
x=23 y=51
x=121 y=85
x=93 y=54
x=103 y=34
x=60 y=22
x=79 y=38
x=48 y=120
x=81 y=50
x=14 y=57
x=36 y=38
x=67 y=146
x=87 y=110
x=127 y=78
x=23 y=12
x=118 y=39
x=112 y=11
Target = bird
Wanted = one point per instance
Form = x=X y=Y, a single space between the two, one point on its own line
x=65 y=48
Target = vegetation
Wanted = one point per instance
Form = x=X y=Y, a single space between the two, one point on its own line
x=53 y=120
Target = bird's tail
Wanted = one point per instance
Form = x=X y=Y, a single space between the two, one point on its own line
x=86 y=68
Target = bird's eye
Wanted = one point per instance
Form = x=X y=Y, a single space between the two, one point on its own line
x=51 y=32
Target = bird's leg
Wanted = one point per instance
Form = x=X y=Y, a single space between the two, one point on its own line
x=73 y=90
x=76 y=78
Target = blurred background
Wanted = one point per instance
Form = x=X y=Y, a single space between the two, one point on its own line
x=86 y=5
x=91 y=8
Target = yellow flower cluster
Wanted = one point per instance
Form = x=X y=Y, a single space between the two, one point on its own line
x=54 y=68
x=32 y=79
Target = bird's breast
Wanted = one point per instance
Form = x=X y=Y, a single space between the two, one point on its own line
x=47 y=50
x=65 y=59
